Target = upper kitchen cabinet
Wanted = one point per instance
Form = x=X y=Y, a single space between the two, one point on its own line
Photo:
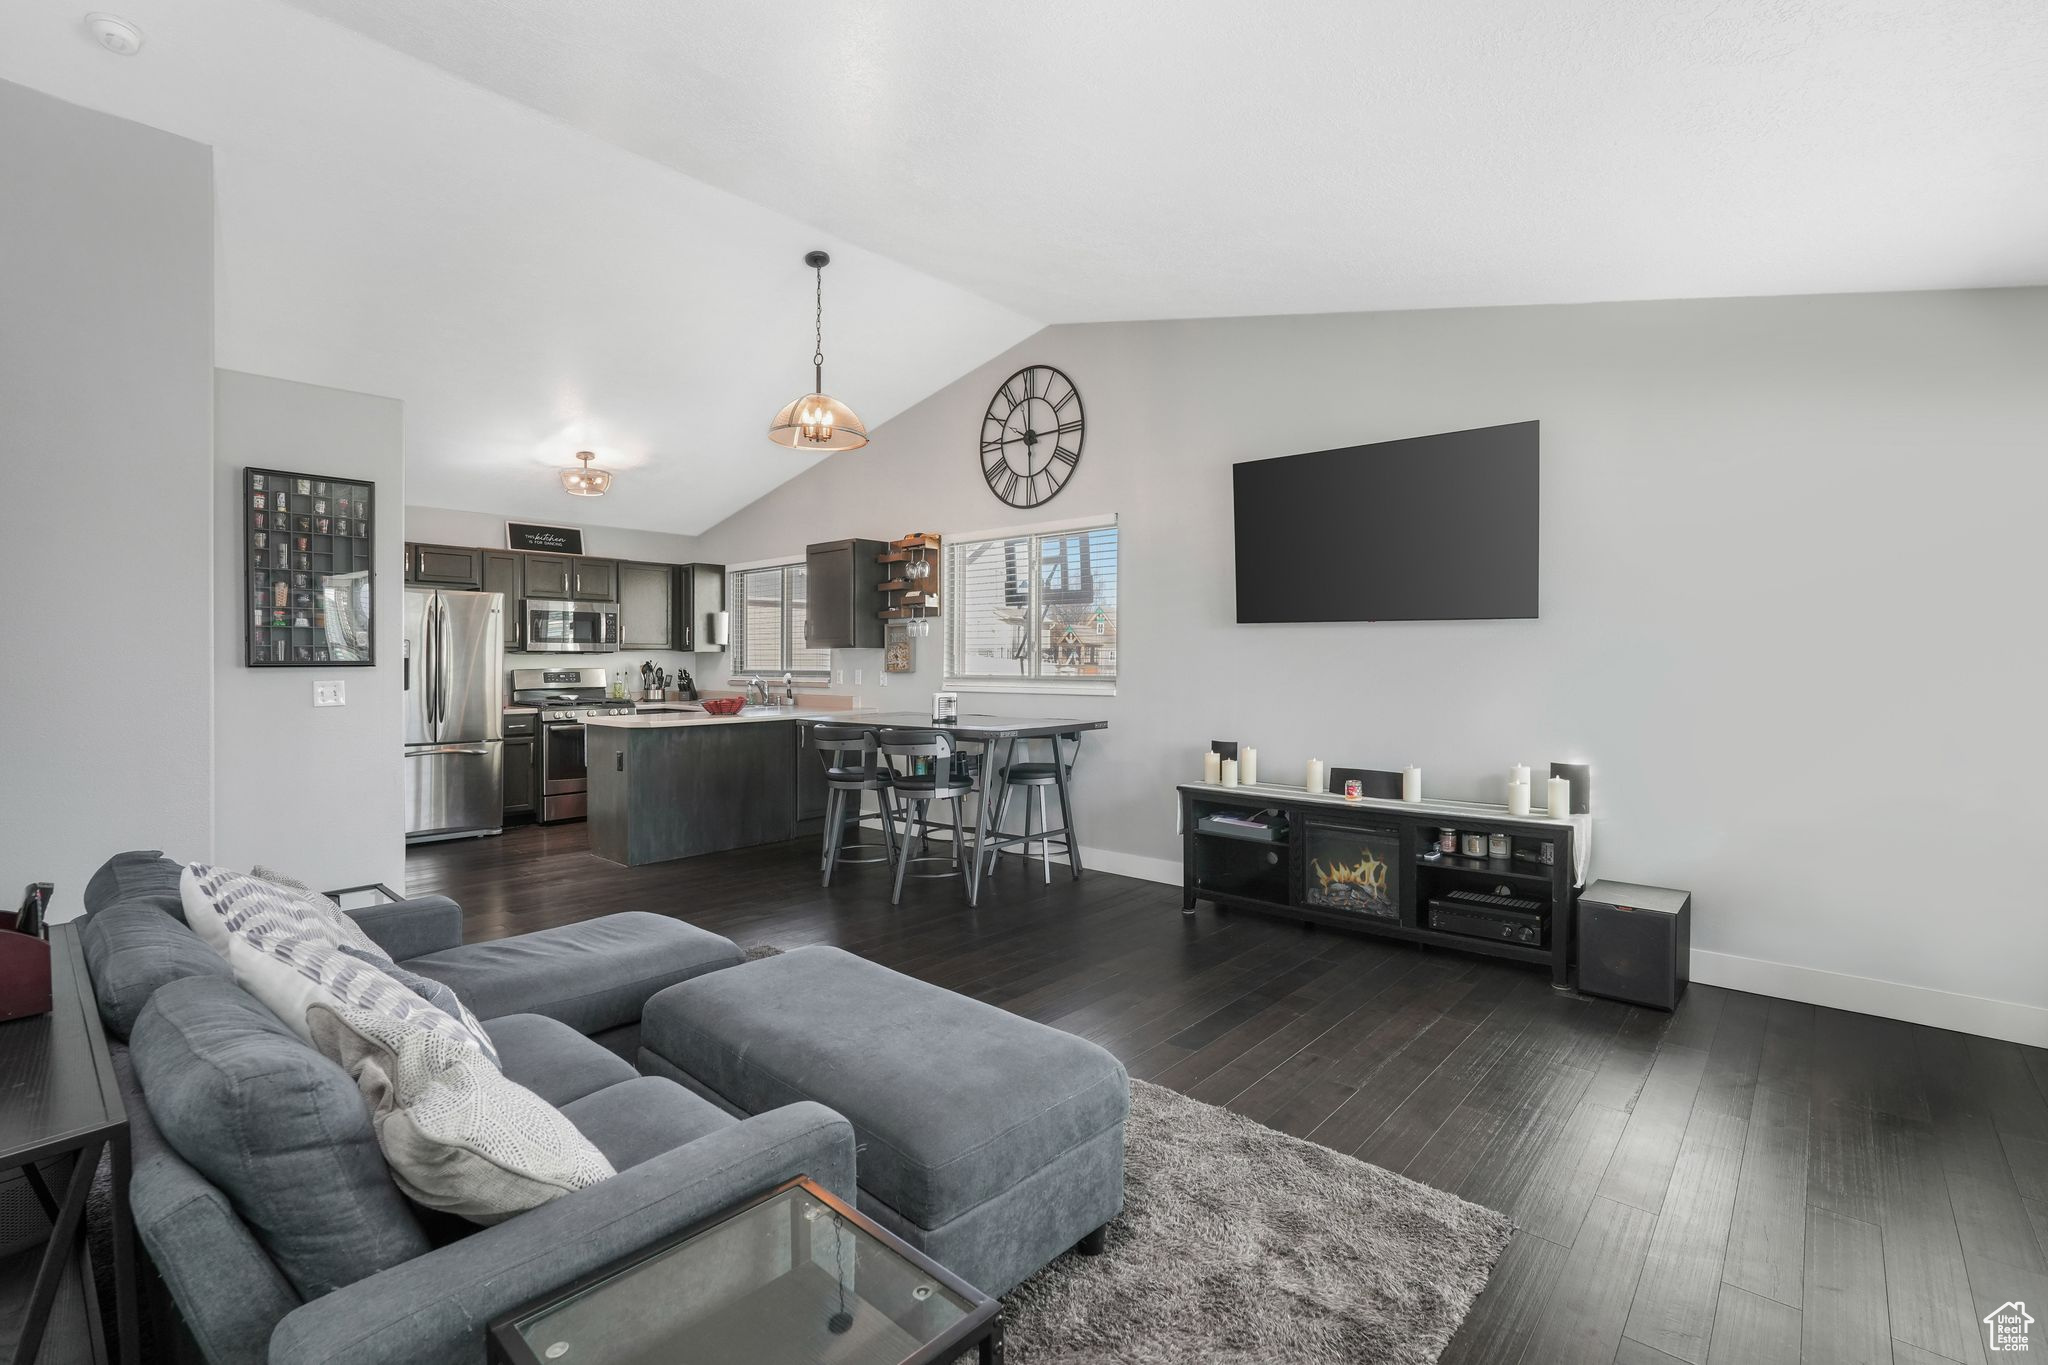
x=843 y=586
x=647 y=606
x=594 y=580
x=700 y=596
x=545 y=577
x=444 y=566
x=501 y=575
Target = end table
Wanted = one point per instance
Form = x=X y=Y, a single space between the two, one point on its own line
x=59 y=1097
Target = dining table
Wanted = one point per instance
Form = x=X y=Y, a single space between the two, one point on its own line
x=998 y=737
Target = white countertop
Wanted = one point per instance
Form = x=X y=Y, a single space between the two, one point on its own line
x=670 y=720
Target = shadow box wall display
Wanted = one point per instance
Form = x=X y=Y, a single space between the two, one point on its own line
x=308 y=543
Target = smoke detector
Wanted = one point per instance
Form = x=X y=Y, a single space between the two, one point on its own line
x=115 y=34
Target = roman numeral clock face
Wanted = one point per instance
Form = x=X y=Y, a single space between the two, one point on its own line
x=1031 y=436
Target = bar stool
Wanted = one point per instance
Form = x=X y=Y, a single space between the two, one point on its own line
x=943 y=780
x=1035 y=778
x=852 y=770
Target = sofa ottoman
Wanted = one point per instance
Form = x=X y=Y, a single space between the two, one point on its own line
x=990 y=1142
x=593 y=976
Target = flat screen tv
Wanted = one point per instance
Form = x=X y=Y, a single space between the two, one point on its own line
x=1427 y=528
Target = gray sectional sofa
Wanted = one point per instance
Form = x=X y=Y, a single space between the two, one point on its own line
x=263 y=1201
x=258 y=1190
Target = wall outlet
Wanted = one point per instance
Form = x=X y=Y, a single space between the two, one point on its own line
x=858 y=674
x=329 y=694
x=882 y=679
x=838 y=675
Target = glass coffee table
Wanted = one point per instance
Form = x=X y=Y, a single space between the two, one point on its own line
x=793 y=1277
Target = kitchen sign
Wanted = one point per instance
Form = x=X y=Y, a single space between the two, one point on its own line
x=559 y=540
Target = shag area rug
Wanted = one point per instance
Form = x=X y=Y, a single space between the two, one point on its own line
x=1240 y=1245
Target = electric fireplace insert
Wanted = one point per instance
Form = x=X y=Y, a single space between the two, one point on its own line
x=1355 y=868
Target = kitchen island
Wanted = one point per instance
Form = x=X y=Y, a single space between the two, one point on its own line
x=677 y=784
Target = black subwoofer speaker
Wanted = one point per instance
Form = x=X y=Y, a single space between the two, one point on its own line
x=1634 y=943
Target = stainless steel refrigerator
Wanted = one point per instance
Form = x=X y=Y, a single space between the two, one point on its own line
x=454 y=713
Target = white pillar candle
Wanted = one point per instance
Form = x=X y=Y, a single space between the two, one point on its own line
x=1519 y=773
x=1518 y=798
x=1560 y=796
x=1229 y=778
x=1212 y=766
x=1247 y=765
x=1314 y=780
x=1411 y=784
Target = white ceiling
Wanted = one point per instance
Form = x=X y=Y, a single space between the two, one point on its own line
x=527 y=289
x=552 y=226
x=1074 y=159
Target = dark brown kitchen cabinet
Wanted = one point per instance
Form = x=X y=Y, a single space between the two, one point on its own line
x=444 y=566
x=700 y=596
x=522 y=777
x=545 y=578
x=811 y=791
x=501 y=575
x=647 y=606
x=594 y=580
x=843 y=587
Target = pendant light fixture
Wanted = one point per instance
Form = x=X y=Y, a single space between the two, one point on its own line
x=586 y=481
x=818 y=421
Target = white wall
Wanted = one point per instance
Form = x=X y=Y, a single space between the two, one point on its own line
x=316 y=793
x=106 y=437
x=447 y=526
x=1790 y=603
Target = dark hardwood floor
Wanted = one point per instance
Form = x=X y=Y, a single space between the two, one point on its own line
x=1744 y=1182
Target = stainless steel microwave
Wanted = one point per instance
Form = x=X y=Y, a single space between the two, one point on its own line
x=571 y=627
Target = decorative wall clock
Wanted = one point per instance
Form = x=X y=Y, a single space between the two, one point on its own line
x=1031 y=436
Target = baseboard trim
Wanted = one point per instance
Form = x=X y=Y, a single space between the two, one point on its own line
x=2005 y=1019
x=1166 y=870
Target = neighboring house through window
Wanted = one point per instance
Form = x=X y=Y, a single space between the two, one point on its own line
x=1033 y=609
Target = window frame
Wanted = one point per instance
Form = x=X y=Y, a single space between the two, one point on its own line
x=955 y=604
x=785 y=646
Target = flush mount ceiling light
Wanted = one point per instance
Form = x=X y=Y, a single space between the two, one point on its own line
x=818 y=421
x=586 y=481
x=114 y=33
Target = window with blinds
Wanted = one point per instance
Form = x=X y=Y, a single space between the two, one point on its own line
x=1033 y=608
x=768 y=628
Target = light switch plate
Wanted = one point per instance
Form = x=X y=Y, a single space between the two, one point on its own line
x=329 y=694
x=858 y=674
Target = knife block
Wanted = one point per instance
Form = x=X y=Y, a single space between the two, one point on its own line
x=24 y=975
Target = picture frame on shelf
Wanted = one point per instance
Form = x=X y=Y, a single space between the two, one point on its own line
x=899 y=650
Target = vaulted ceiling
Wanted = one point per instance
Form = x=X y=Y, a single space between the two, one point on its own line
x=554 y=226
x=1074 y=160
x=526 y=288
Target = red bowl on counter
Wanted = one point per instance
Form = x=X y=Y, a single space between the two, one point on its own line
x=723 y=706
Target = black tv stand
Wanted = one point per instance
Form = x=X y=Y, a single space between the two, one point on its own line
x=1387 y=881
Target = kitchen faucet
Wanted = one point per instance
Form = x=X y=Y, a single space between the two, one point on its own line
x=761 y=689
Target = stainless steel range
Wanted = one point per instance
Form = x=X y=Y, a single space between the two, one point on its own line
x=564 y=696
